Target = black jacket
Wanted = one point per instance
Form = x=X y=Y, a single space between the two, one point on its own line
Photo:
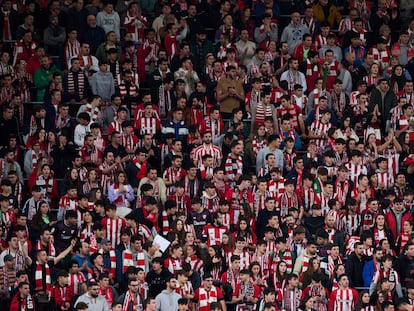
x=354 y=267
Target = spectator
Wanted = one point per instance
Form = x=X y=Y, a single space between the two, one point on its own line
x=109 y=20
x=354 y=266
x=54 y=37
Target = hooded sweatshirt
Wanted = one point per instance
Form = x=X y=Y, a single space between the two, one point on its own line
x=166 y=301
x=109 y=22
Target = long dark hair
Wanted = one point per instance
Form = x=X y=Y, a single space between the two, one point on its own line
x=303 y=301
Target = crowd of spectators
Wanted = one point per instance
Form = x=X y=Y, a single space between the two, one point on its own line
x=207 y=155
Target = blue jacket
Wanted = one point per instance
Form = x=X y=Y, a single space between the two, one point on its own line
x=368 y=272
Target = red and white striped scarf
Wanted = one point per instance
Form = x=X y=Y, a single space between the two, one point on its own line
x=75 y=281
x=345 y=24
x=293 y=78
x=93 y=244
x=128 y=260
x=331 y=264
x=82 y=61
x=112 y=259
x=264 y=262
x=61 y=122
x=310 y=24
x=359 y=51
x=276 y=188
x=42 y=278
x=233 y=167
x=290 y=298
x=371 y=80
x=233 y=277
x=108 y=294
x=311 y=68
x=165 y=223
x=72 y=50
x=287 y=202
x=51 y=252
x=338 y=101
x=259 y=201
x=285 y=256
x=80 y=82
x=35 y=157
x=308 y=197
x=129 y=298
x=173 y=264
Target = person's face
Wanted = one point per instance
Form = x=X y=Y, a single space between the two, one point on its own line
x=307 y=42
x=228 y=21
x=398 y=206
x=383 y=86
x=244 y=35
x=110 y=157
x=408 y=87
x=226 y=6
x=410 y=251
x=337 y=87
x=72 y=193
x=296 y=18
x=294 y=65
x=94 y=291
x=294 y=282
x=24 y=290
x=237 y=150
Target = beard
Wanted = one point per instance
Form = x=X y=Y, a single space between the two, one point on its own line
x=94 y=295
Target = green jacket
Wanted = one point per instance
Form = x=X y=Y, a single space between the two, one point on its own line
x=41 y=81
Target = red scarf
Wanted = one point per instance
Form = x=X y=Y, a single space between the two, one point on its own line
x=131 y=299
x=39 y=278
x=82 y=62
x=359 y=50
x=112 y=258
x=51 y=252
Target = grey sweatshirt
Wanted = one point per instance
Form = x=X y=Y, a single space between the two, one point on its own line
x=94 y=304
x=102 y=84
x=293 y=34
x=167 y=301
x=109 y=22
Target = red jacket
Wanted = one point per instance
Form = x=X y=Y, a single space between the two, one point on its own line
x=61 y=295
x=391 y=221
x=16 y=303
x=299 y=54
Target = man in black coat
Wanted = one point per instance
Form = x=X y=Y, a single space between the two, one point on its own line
x=264 y=216
x=11 y=17
x=355 y=265
x=404 y=265
x=9 y=125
